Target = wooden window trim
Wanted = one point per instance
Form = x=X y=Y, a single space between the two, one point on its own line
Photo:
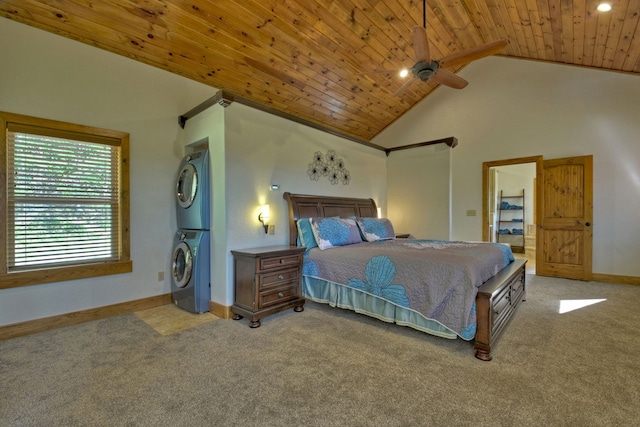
x=73 y=272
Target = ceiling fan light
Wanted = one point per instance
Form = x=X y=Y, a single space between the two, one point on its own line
x=604 y=7
x=404 y=73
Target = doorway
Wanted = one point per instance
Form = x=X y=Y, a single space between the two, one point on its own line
x=518 y=176
x=564 y=214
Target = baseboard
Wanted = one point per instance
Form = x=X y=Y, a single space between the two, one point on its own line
x=612 y=278
x=40 y=325
x=222 y=311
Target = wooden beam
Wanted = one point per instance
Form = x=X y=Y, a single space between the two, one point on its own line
x=226 y=98
x=223 y=98
x=451 y=141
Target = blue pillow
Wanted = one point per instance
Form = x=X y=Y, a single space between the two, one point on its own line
x=332 y=232
x=305 y=234
x=376 y=229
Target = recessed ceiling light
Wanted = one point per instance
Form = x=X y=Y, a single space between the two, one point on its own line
x=404 y=73
x=604 y=7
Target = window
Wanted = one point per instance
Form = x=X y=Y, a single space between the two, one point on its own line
x=64 y=201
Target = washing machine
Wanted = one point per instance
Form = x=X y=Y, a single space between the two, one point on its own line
x=192 y=192
x=190 y=270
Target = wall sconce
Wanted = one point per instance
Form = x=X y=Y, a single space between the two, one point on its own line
x=263 y=217
x=379 y=212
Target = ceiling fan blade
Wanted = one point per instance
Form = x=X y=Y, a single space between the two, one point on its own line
x=448 y=78
x=404 y=87
x=421 y=44
x=472 y=54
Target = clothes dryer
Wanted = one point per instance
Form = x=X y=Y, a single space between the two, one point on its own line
x=190 y=270
x=192 y=192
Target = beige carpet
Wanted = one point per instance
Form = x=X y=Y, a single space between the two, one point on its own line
x=169 y=319
x=331 y=367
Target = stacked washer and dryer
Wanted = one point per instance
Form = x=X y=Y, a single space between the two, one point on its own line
x=190 y=261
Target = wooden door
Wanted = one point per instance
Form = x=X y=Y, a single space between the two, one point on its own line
x=565 y=216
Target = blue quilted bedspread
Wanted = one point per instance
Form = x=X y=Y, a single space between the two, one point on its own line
x=438 y=279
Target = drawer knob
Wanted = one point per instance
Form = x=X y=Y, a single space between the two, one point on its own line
x=280 y=294
x=281 y=277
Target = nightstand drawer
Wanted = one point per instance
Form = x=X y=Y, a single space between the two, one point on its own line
x=267 y=281
x=280 y=261
x=278 y=295
x=277 y=277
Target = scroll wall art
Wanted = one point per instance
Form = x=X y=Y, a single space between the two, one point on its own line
x=328 y=165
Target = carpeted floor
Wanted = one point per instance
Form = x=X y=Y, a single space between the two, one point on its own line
x=330 y=367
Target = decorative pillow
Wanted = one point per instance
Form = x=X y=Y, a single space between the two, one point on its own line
x=332 y=232
x=376 y=229
x=305 y=234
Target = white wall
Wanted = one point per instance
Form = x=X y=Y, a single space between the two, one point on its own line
x=515 y=108
x=48 y=76
x=52 y=77
x=261 y=149
x=418 y=191
x=510 y=109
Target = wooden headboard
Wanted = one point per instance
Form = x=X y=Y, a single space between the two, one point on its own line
x=306 y=206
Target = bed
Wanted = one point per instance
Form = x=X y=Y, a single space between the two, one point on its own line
x=413 y=283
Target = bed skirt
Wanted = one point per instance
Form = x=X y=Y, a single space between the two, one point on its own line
x=340 y=296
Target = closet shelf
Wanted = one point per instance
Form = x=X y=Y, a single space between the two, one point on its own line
x=511 y=214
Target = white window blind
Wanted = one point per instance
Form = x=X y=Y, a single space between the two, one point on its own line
x=62 y=198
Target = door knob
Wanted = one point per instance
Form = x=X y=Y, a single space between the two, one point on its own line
x=588 y=224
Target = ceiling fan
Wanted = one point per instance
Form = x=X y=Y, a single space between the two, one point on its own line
x=429 y=69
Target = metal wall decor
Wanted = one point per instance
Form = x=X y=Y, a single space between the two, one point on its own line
x=328 y=165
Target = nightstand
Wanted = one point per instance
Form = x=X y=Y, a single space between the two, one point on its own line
x=402 y=236
x=267 y=280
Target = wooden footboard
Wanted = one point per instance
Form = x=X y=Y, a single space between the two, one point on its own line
x=496 y=303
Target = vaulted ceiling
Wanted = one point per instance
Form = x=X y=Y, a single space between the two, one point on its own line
x=306 y=58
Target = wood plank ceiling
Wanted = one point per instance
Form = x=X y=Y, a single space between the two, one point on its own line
x=303 y=57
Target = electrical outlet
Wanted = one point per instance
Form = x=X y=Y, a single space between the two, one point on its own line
x=160 y=276
x=272 y=229
x=471 y=212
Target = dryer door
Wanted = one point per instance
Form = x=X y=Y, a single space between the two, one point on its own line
x=182 y=265
x=187 y=185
